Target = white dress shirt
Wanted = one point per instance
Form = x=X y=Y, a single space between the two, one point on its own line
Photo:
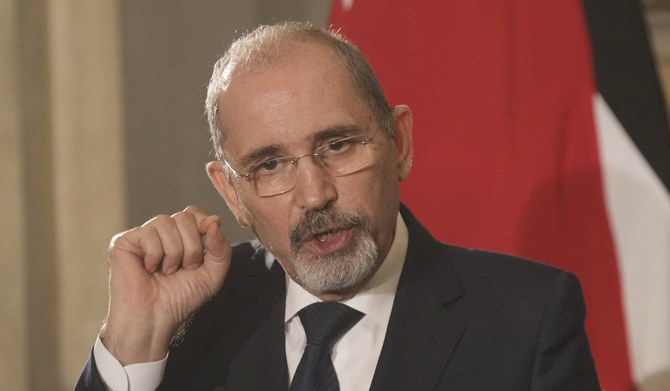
x=354 y=356
x=356 y=353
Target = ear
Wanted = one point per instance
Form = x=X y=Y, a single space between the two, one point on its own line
x=217 y=175
x=402 y=126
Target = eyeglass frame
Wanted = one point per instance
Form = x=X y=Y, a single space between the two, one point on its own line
x=293 y=160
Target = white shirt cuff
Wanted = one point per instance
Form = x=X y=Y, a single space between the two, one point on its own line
x=133 y=377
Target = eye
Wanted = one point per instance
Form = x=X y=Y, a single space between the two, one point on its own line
x=340 y=145
x=268 y=165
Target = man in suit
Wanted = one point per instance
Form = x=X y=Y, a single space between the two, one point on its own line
x=309 y=156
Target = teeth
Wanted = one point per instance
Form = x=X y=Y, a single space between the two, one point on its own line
x=326 y=236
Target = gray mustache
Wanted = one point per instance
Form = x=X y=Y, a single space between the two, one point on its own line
x=321 y=221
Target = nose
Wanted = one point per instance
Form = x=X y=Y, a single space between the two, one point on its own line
x=314 y=187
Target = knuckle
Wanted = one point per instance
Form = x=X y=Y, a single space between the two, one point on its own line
x=182 y=217
x=159 y=220
x=178 y=214
x=192 y=209
x=116 y=243
x=196 y=211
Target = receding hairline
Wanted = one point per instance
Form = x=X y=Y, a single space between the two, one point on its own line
x=287 y=53
x=266 y=43
x=269 y=45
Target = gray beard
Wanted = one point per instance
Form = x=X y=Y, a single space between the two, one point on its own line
x=338 y=271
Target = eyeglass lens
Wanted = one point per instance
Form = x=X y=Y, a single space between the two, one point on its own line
x=338 y=158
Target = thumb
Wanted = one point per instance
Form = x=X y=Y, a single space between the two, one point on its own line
x=218 y=254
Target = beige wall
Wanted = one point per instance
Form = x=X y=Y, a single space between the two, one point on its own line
x=658 y=21
x=102 y=128
x=61 y=160
x=169 y=48
x=13 y=320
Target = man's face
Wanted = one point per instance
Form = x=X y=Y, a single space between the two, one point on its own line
x=329 y=233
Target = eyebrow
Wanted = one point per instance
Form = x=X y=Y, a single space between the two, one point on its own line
x=335 y=131
x=259 y=154
x=275 y=149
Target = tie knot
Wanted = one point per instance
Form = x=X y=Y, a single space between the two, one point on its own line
x=325 y=322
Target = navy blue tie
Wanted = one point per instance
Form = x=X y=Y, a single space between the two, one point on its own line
x=324 y=324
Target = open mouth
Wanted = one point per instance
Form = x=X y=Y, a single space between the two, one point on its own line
x=323 y=232
x=327 y=236
x=330 y=241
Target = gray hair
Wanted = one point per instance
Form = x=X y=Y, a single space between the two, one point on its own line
x=263 y=44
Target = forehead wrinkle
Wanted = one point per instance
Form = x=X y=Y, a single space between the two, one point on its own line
x=269 y=98
x=274 y=102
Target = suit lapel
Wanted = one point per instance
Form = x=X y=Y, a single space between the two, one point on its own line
x=422 y=334
x=261 y=364
x=260 y=359
x=423 y=329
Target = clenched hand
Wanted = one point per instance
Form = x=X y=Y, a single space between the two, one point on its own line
x=159 y=274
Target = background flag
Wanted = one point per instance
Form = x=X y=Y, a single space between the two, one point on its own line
x=540 y=130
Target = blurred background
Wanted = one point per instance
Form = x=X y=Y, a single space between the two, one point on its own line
x=101 y=114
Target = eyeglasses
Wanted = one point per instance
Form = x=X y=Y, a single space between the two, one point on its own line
x=338 y=157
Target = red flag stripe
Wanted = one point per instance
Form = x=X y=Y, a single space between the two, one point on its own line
x=506 y=153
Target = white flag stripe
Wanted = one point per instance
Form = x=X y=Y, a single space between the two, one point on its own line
x=639 y=210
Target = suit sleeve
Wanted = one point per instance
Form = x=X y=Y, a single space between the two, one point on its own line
x=90 y=379
x=563 y=359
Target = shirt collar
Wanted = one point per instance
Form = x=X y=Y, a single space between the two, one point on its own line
x=376 y=298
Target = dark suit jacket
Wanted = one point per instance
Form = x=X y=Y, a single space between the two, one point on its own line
x=462 y=320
